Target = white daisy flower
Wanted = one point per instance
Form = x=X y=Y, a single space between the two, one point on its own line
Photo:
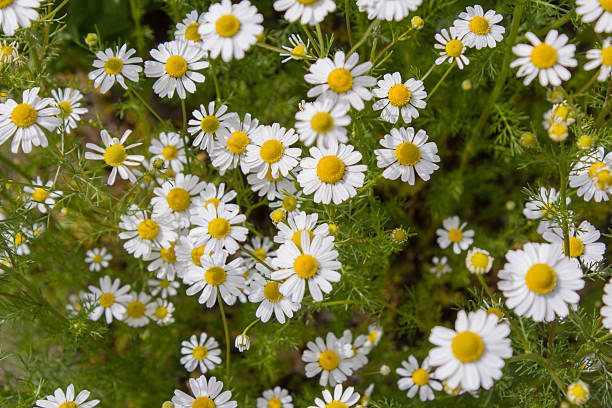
x=388 y=9
x=163 y=287
x=9 y=52
x=201 y=352
x=600 y=57
x=406 y=153
x=115 y=155
x=342 y=77
x=582 y=242
x=440 y=266
x=59 y=399
x=357 y=350
x=288 y=202
x=453 y=233
x=68 y=101
x=546 y=207
x=307 y=11
x=214 y=277
x=397 y=97
x=479 y=29
x=416 y=378
x=451 y=42
x=176 y=63
x=323 y=121
x=539 y=282
x=78 y=302
x=275 y=398
x=176 y=196
x=558 y=131
x=472 y=355
x=188 y=256
x=144 y=233
x=188 y=28
x=375 y=333
x=271 y=300
x=270 y=150
x=291 y=229
x=17 y=13
x=546 y=60
x=560 y=112
x=214 y=195
x=207 y=124
x=114 y=66
x=160 y=311
x=98 y=258
x=41 y=196
x=606 y=309
x=261 y=248
x=110 y=299
x=298 y=49
x=135 y=309
x=18 y=241
x=230 y=151
x=365 y=398
x=217 y=228
x=164 y=262
x=478 y=261
x=338 y=400
x=596 y=10
x=271 y=187
x=328 y=358
x=315 y=264
x=242 y=342
x=26 y=121
x=169 y=148
x=592 y=175
x=230 y=29
x=207 y=394
x=578 y=393
x=37 y=229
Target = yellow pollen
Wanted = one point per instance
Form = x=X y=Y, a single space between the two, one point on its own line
x=576 y=247
x=322 y=122
x=164 y=283
x=606 y=56
x=420 y=376
x=399 y=95
x=191 y=32
x=305 y=266
x=467 y=347
x=454 y=48
x=299 y=51
x=170 y=152
x=407 y=154
x=65 y=109
x=238 y=142
x=578 y=392
x=219 y=228
x=24 y=115
x=18 y=239
x=209 y=124
x=148 y=229
x=168 y=255
x=215 y=275
x=543 y=56
x=557 y=131
x=275 y=403
x=372 y=336
x=271 y=151
x=340 y=80
x=135 y=309
x=40 y=195
x=479 y=25
x=6 y=52
x=67 y=404
x=214 y=201
x=289 y=204
x=604 y=180
x=541 y=278
x=203 y=402
x=495 y=311
x=113 y=66
x=273 y=179
x=330 y=169
x=562 y=112
x=97 y=258
x=115 y=155
x=271 y=292
x=595 y=168
x=329 y=360
x=161 y=312
x=480 y=260
x=227 y=26
x=336 y=404
x=178 y=199
x=278 y=215
x=455 y=235
x=196 y=255
x=606 y=5
x=306 y=2
x=176 y=66
x=585 y=142
x=297 y=237
x=199 y=352
x=260 y=254
x=107 y=299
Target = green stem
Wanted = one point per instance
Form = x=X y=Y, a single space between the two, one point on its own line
x=184 y=134
x=605 y=108
x=253 y=323
x=311 y=38
x=338 y=302
x=321 y=41
x=563 y=192
x=146 y=105
x=216 y=82
x=347 y=7
x=435 y=88
x=227 y=339
x=364 y=38
x=55 y=10
x=429 y=71
x=484 y=285
x=370 y=183
x=256 y=259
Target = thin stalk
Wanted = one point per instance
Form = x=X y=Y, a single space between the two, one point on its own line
x=370 y=183
x=227 y=338
x=146 y=105
x=605 y=108
x=364 y=38
x=311 y=38
x=216 y=82
x=484 y=285
x=347 y=7
x=256 y=259
x=435 y=88
x=563 y=193
x=184 y=134
x=429 y=71
x=321 y=41
x=55 y=10
x=253 y=323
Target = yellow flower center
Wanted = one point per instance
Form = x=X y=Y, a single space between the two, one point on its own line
x=178 y=199
x=561 y=111
x=210 y=124
x=585 y=142
x=107 y=299
x=372 y=336
x=407 y=154
x=215 y=275
x=330 y=169
x=289 y=204
x=169 y=256
x=528 y=139
x=454 y=48
x=479 y=25
x=65 y=109
x=329 y=360
x=299 y=51
x=199 y=352
x=604 y=180
x=606 y=5
x=271 y=151
x=275 y=403
x=305 y=266
x=455 y=235
x=24 y=115
x=420 y=376
x=161 y=312
x=467 y=346
x=135 y=309
x=176 y=66
x=148 y=229
x=191 y=32
x=6 y=51
x=307 y=1
x=97 y=258
x=336 y=404
x=67 y=404
x=297 y=237
x=113 y=66
x=260 y=254
x=399 y=95
x=480 y=260
x=227 y=26
x=278 y=215
x=170 y=152
x=578 y=391
x=606 y=55
x=557 y=131
x=541 y=278
x=271 y=292
x=543 y=56
x=322 y=122
x=237 y=144
x=576 y=247
x=219 y=228
x=164 y=283
x=196 y=255
x=495 y=311
x=115 y=155
x=19 y=238
x=40 y=195
x=5 y=3
x=203 y=402
x=340 y=80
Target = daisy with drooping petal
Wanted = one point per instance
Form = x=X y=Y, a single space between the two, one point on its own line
x=472 y=355
x=451 y=42
x=59 y=399
x=135 y=309
x=230 y=151
x=145 y=233
x=77 y=303
x=453 y=233
x=207 y=394
x=291 y=229
x=110 y=299
x=270 y=151
x=188 y=256
x=160 y=311
x=164 y=262
x=275 y=398
x=42 y=197
x=601 y=57
x=606 y=309
x=68 y=101
x=328 y=358
x=307 y=11
x=175 y=198
x=388 y=9
x=397 y=97
x=539 y=282
x=169 y=148
x=230 y=29
x=214 y=195
x=163 y=287
x=175 y=64
x=560 y=112
x=26 y=121
x=298 y=49
x=478 y=261
x=342 y=77
x=113 y=66
x=207 y=124
x=596 y=10
x=188 y=28
x=479 y=29
x=582 y=242
x=201 y=352
x=323 y=121
x=592 y=175
x=375 y=333
x=546 y=60
x=406 y=153
x=217 y=228
x=558 y=131
x=98 y=258
x=115 y=155
x=261 y=248
x=416 y=378
x=271 y=187
x=440 y=266
x=271 y=301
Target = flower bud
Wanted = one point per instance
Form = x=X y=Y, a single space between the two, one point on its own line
x=243 y=342
x=417 y=23
x=91 y=39
x=385 y=370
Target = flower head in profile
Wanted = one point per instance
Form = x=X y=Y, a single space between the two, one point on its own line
x=298 y=49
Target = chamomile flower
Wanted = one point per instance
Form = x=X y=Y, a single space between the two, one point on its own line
x=397 y=97
x=365 y=398
x=98 y=258
x=175 y=198
x=327 y=357
x=314 y=263
x=8 y=52
x=230 y=151
x=145 y=233
x=451 y=42
x=25 y=122
x=592 y=175
x=291 y=229
x=208 y=123
x=188 y=28
x=175 y=64
x=270 y=151
x=17 y=13
x=332 y=173
x=585 y=142
x=230 y=29
x=275 y=398
x=217 y=228
x=59 y=399
x=440 y=266
x=453 y=233
x=164 y=262
x=546 y=60
x=388 y=9
x=242 y=342
x=109 y=299
x=478 y=261
x=18 y=241
x=169 y=148
x=606 y=309
x=298 y=49
x=545 y=207
x=472 y=355
x=560 y=112
x=207 y=394
x=114 y=66
x=41 y=195
x=201 y=352
x=479 y=29
x=539 y=282
x=417 y=378
x=596 y=10
x=214 y=195
x=307 y=11
x=188 y=255
x=578 y=392
x=558 y=131
x=163 y=287
x=288 y=202
x=375 y=333
x=271 y=301
x=271 y=187
x=261 y=248
x=323 y=121
x=601 y=57
x=135 y=309
x=115 y=155
x=68 y=101
x=357 y=351
x=406 y=153
x=160 y=311
x=216 y=277
x=582 y=242
x=79 y=302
